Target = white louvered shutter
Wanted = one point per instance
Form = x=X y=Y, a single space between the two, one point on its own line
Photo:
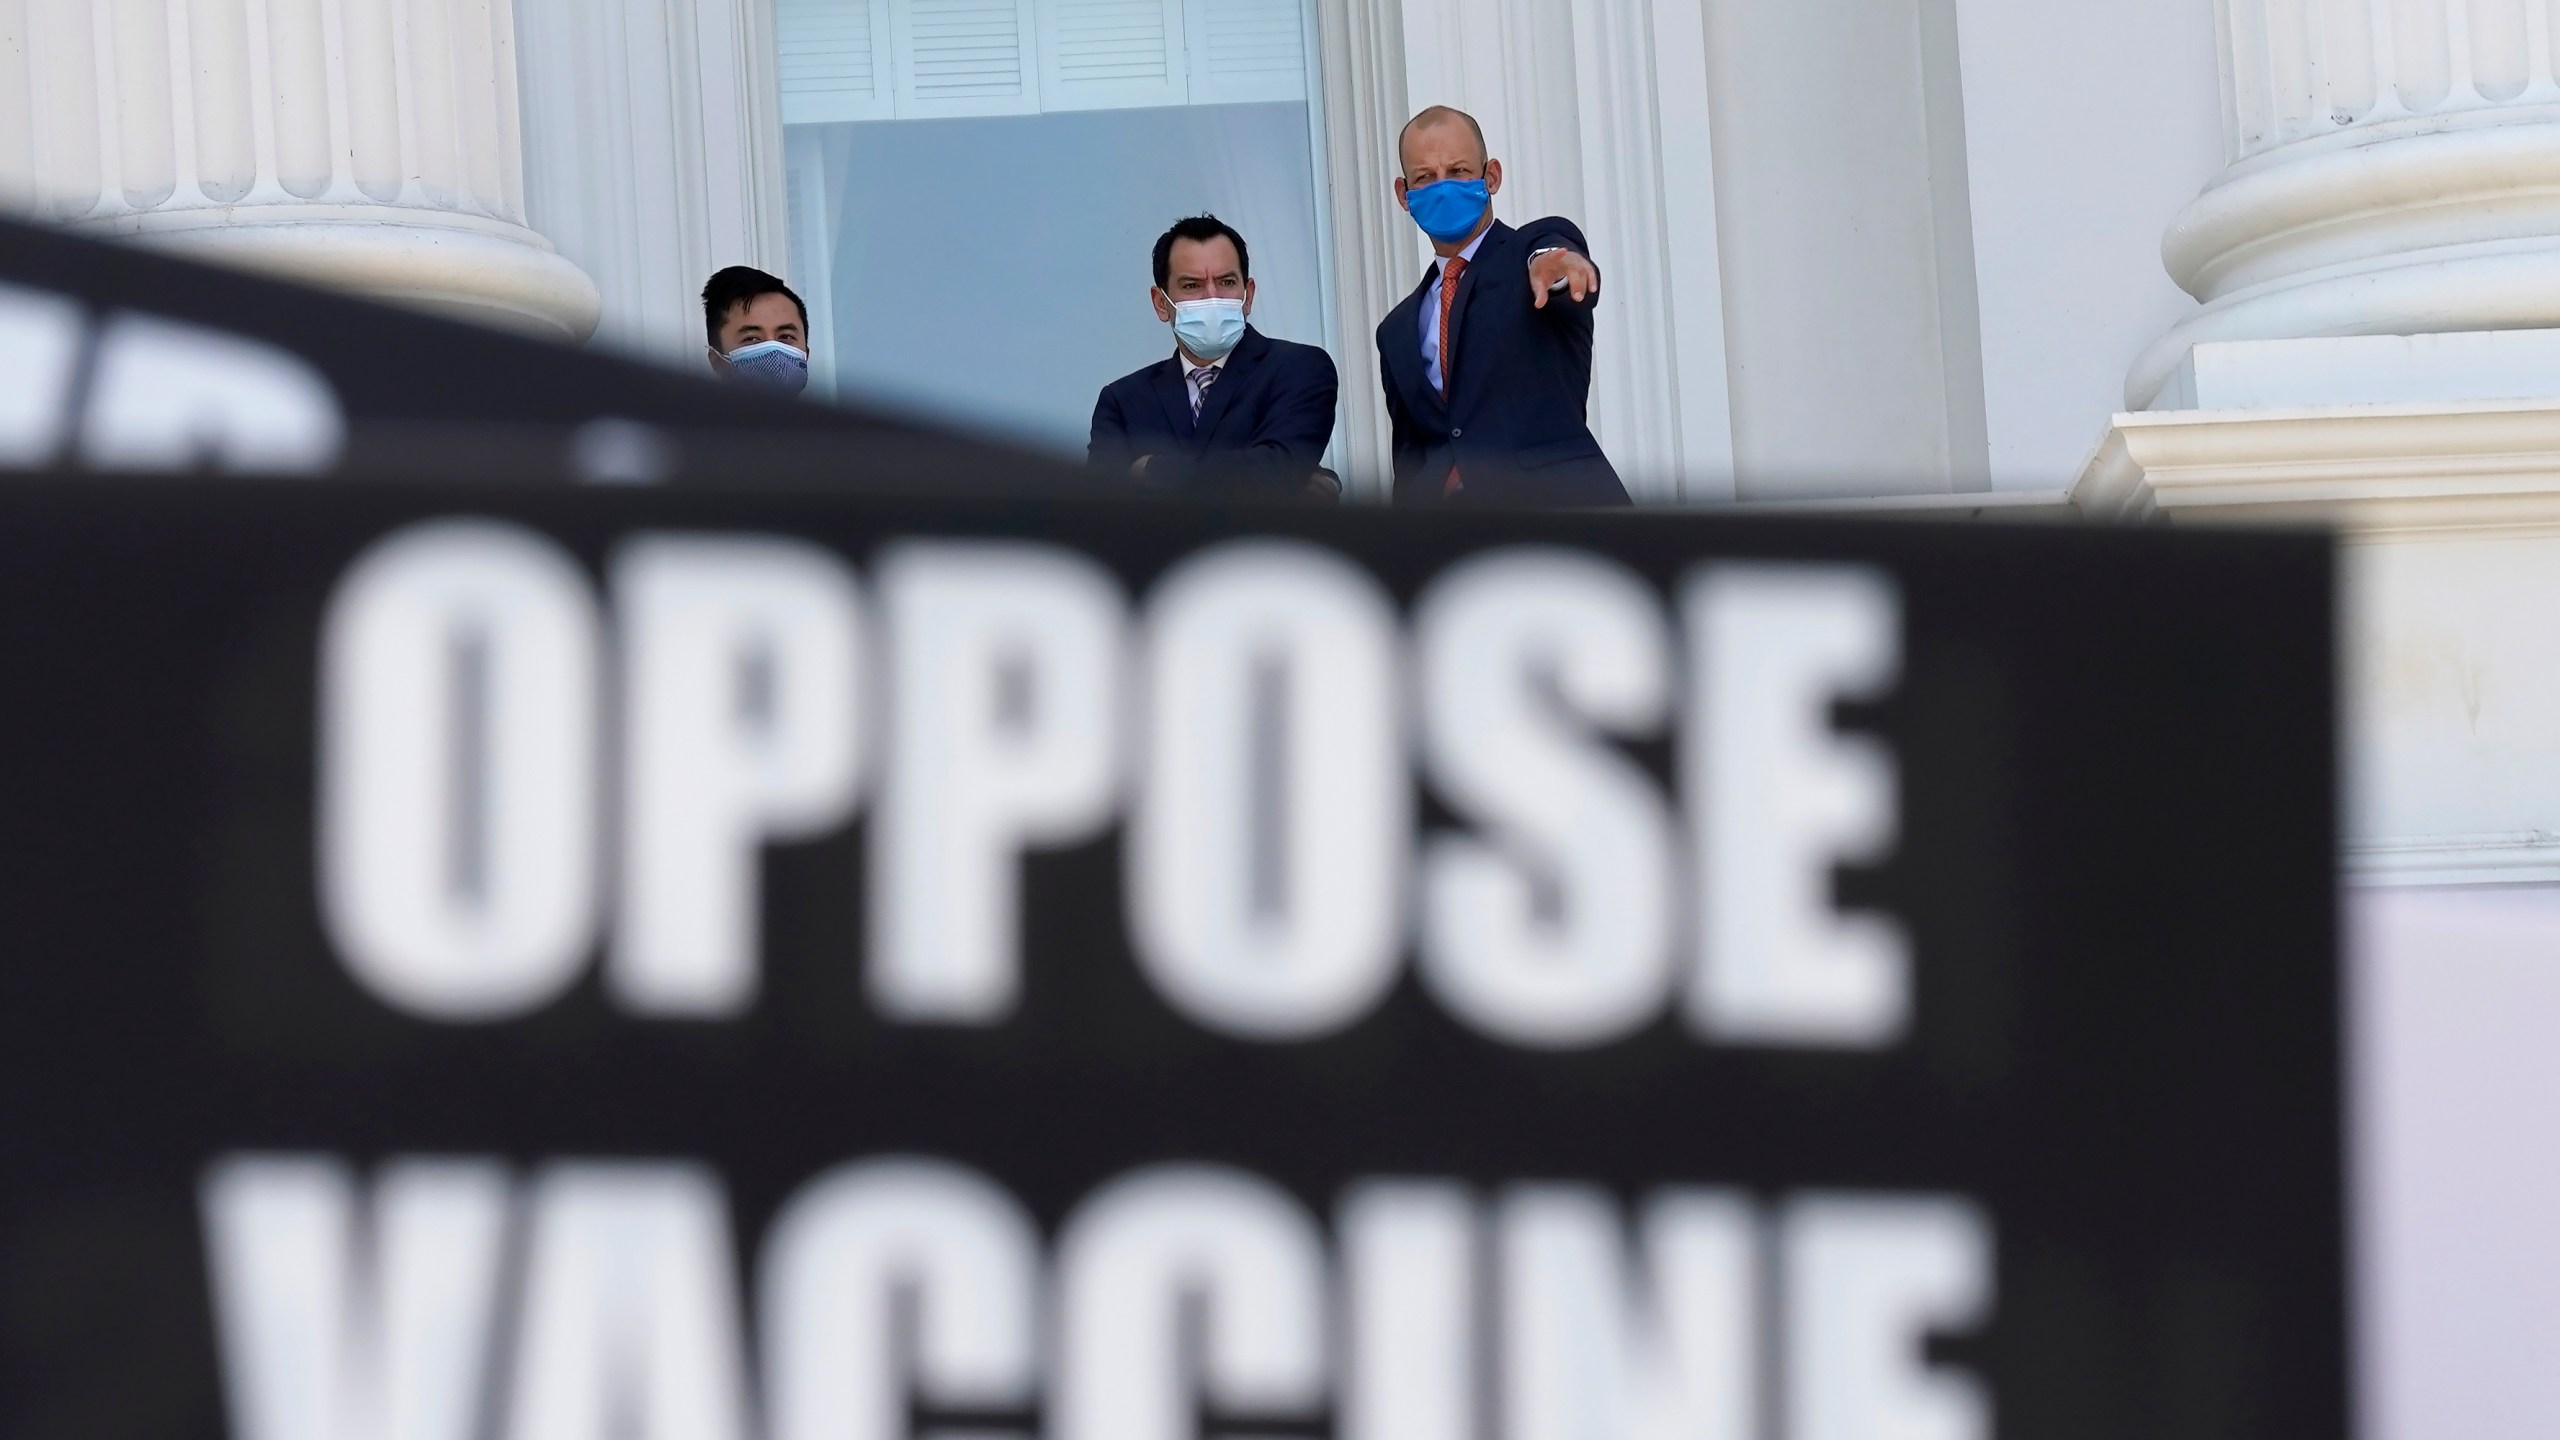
x=1244 y=51
x=834 y=60
x=1111 y=54
x=965 y=57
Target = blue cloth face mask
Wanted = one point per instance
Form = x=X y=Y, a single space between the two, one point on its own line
x=1447 y=210
x=1208 y=328
x=776 y=365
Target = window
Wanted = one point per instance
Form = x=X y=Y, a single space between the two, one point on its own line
x=976 y=185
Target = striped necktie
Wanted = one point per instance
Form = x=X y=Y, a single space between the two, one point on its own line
x=1202 y=378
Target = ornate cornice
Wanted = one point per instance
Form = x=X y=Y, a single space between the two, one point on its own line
x=2373 y=470
x=2521 y=857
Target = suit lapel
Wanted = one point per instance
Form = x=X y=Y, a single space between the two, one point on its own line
x=1496 y=246
x=1173 y=391
x=1403 y=348
x=1240 y=362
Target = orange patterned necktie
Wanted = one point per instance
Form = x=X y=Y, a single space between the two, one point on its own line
x=1449 y=273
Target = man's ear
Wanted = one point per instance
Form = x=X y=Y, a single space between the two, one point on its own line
x=1400 y=200
x=1493 y=177
x=1164 y=307
x=1248 y=297
x=719 y=362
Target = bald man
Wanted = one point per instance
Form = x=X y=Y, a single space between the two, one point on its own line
x=1487 y=366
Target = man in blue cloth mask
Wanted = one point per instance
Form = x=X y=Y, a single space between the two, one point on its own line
x=759 y=331
x=1233 y=410
x=1487 y=366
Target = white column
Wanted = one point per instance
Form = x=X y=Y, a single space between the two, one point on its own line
x=365 y=144
x=653 y=155
x=1842 y=179
x=2394 y=170
x=1361 y=43
x=1632 y=197
x=1598 y=111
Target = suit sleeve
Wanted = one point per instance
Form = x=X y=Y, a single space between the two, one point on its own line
x=1107 y=450
x=1289 y=442
x=1404 y=443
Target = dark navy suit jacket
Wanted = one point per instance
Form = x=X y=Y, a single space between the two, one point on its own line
x=1262 y=427
x=1514 y=424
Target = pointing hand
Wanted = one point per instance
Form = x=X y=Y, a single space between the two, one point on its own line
x=1580 y=277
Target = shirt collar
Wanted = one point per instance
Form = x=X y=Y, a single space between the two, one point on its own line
x=1468 y=254
x=1187 y=367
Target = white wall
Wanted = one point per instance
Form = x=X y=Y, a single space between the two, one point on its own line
x=2453 y=666
x=2090 y=124
x=2457 y=1201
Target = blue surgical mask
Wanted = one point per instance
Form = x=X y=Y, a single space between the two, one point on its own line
x=776 y=365
x=1448 y=210
x=1208 y=328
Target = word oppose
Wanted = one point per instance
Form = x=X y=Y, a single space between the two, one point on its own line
x=1259 y=720
x=899 y=1289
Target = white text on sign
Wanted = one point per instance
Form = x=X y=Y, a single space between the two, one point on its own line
x=893 y=1286
x=1256 y=719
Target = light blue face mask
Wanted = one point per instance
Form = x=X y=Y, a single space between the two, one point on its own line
x=1447 y=210
x=776 y=365
x=1208 y=328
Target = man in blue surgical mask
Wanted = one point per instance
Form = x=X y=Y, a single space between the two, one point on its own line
x=759 y=331
x=1233 y=410
x=1487 y=365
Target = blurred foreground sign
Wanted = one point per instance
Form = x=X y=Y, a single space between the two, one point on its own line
x=662 y=965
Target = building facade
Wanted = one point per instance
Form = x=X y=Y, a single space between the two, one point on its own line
x=2124 y=260
x=2285 y=259
x=1853 y=250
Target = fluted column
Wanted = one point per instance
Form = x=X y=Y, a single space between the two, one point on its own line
x=1361 y=43
x=2394 y=170
x=366 y=144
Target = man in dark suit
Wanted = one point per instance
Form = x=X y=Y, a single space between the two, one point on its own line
x=1487 y=366
x=1233 y=410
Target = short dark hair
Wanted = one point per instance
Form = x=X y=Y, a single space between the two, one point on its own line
x=1199 y=227
x=740 y=285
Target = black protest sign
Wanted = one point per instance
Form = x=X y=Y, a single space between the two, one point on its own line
x=658 y=964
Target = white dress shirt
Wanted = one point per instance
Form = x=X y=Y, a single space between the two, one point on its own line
x=1431 y=311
